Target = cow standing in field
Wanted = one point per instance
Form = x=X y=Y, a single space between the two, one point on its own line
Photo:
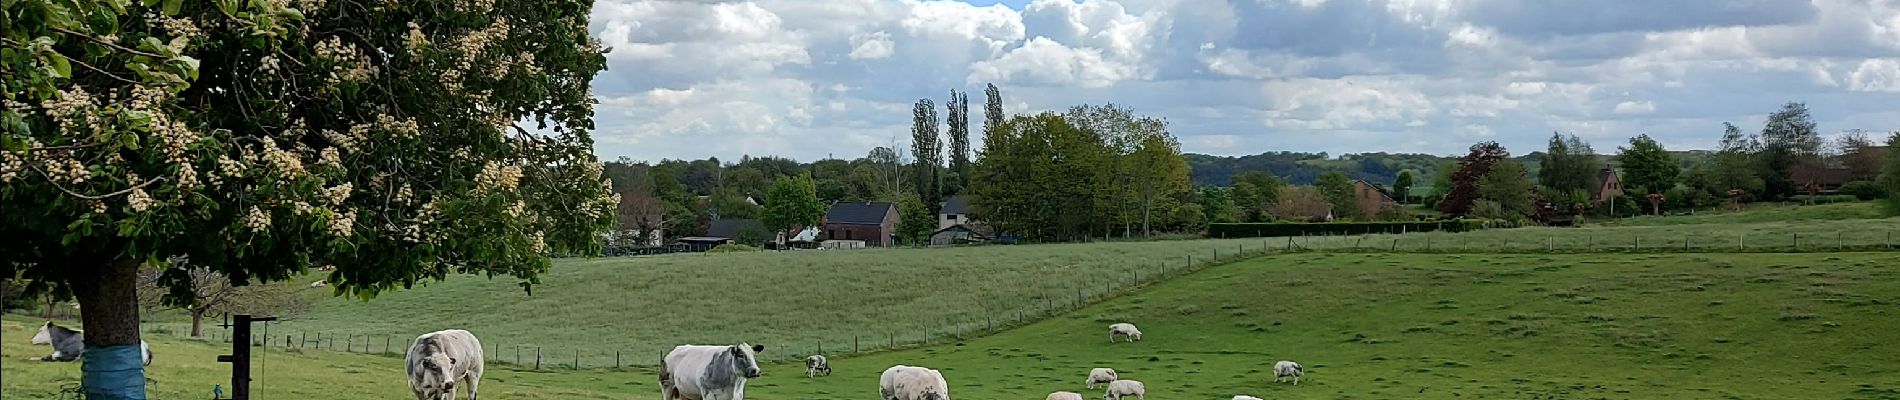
x=438 y=359
x=1123 y=329
x=1288 y=369
x=816 y=364
x=70 y=345
x=1101 y=375
x=1064 y=396
x=1123 y=389
x=905 y=382
x=708 y=372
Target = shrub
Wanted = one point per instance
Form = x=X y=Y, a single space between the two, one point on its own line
x=1864 y=190
x=1823 y=199
x=732 y=248
x=1277 y=229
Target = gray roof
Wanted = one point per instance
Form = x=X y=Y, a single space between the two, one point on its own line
x=858 y=213
x=957 y=205
x=729 y=228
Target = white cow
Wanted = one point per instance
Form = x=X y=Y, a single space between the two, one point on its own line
x=708 y=372
x=1288 y=369
x=816 y=364
x=1123 y=329
x=319 y=284
x=1122 y=389
x=438 y=359
x=905 y=382
x=70 y=345
x=1246 y=397
x=1064 y=396
x=1101 y=375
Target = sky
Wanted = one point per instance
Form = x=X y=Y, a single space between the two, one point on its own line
x=810 y=79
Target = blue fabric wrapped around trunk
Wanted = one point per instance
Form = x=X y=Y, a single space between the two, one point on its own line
x=114 y=373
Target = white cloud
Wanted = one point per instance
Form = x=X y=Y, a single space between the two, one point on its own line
x=696 y=78
x=871 y=46
x=1635 y=107
x=1876 y=75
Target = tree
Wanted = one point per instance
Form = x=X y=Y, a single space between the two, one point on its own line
x=1301 y=203
x=1255 y=192
x=1788 y=139
x=927 y=149
x=1646 y=164
x=992 y=108
x=1403 y=186
x=1569 y=163
x=915 y=221
x=1338 y=190
x=1860 y=155
x=1441 y=181
x=212 y=293
x=1508 y=187
x=959 y=125
x=1464 y=183
x=1890 y=171
x=1158 y=172
x=260 y=140
x=1733 y=166
x=1040 y=176
x=1217 y=205
x=793 y=202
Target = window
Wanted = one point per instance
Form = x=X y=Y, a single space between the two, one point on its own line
x=847 y=234
x=831 y=234
x=949 y=217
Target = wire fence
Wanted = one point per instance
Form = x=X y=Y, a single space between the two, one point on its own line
x=528 y=355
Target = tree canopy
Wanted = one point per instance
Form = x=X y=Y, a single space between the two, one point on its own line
x=263 y=138
x=793 y=202
x=1647 y=165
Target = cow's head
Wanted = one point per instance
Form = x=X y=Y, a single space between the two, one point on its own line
x=45 y=336
x=432 y=376
x=745 y=359
x=933 y=395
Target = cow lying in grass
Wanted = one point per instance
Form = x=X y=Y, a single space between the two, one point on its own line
x=905 y=382
x=70 y=345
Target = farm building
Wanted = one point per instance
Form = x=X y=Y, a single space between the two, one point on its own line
x=1818 y=179
x=739 y=229
x=1608 y=185
x=955 y=211
x=871 y=222
x=959 y=234
x=1370 y=198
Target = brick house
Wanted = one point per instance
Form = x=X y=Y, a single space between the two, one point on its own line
x=1608 y=185
x=1370 y=198
x=871 y=222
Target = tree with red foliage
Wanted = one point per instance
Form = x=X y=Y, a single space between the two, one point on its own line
x=1471 y=169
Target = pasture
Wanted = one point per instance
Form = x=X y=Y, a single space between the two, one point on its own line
x=1366 y=326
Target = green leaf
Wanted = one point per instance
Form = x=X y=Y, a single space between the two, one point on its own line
x=187 y=65
x=229 y=6
x=61 y=67
x=172 y=7
x=129 y=141
x=292 y=14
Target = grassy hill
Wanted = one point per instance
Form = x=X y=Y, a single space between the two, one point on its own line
x=1367 y=326
x=643 y=305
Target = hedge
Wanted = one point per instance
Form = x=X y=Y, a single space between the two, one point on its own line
x=1276 y=229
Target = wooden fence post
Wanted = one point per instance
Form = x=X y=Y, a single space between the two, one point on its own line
x=1797 y=242
x=1840 y=241
x=577 y=359
x=1550 y=244
x=517 y=354
x=1685 y=242
x=616 y=358
x=854 y=343
x=537 y=357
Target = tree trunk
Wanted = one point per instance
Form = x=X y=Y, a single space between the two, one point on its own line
x=109 y=293
x=197 y=323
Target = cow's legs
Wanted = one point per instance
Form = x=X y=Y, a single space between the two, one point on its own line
x=473 y=379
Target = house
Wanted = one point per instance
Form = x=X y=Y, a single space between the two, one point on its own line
x=956 y=210
x=1608 y=185
x=871 y=222
x=1818 y=179
x=701 y=243
x=1370 y=198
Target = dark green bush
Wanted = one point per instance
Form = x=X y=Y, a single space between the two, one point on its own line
x=1276 y=229
x=1823 y=199
x=1864 y=190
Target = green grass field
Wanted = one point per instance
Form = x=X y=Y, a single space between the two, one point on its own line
x=1367 y=326
x=644 y=305
x=1764 y=212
